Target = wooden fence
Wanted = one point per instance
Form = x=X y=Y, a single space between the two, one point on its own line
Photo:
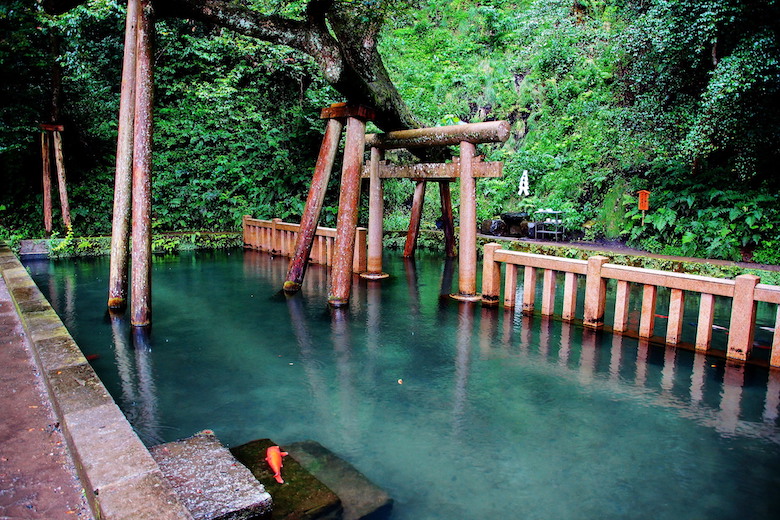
x=279 y=238
x=744 y=291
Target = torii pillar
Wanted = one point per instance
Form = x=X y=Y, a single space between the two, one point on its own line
x=355 y=117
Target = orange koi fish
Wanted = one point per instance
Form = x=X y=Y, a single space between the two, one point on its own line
x=273 y=456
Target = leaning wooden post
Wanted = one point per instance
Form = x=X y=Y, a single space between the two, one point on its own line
x=123 y=179
x=414 y=219
x=346 y=221
x=376 y=209
x=743 y=317
x=141 y=280
x=448 y=227
x=62 y=184
x=467 y=254
x=595 y=293
x=491 y=275
x=45 y=157
x=311 y=212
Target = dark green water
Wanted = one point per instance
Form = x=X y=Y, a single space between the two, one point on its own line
x=459 y=412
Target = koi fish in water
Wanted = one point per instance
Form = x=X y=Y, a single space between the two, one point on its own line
x=273 y=456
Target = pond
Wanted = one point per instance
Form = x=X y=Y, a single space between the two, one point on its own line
x=456 y=410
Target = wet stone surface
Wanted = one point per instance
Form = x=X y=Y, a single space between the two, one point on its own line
x=301 y=497
x=209 y=481
x=361 y=498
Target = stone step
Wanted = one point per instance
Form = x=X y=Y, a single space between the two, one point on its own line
x=360 y=498
x=301 y=497
x=209 y=481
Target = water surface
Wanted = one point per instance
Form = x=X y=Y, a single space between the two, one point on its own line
x=459 y=412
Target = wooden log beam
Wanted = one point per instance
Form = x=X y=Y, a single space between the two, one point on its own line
x=376 y=209
x=414 y=219
x=61 y=181
x=46 y=159
x=474 y=133
x=436 y=171
x=346 y=220
x=311 y=212
x=141 y=279
x=123 y=177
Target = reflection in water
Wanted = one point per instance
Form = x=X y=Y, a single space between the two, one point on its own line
x=404 y=383
x=138 y=399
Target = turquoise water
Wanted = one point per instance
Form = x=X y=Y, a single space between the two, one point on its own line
x=459 y=412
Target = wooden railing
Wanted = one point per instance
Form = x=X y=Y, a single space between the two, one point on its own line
x=279 y=238
x=744 y=291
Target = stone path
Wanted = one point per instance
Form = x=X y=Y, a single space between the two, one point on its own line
x=37 y=477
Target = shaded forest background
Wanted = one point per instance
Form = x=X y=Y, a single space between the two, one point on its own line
x=605 y=97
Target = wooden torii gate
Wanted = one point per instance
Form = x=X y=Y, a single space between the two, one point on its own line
x=467 y=167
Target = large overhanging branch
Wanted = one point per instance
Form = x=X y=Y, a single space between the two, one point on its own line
x=335 y=34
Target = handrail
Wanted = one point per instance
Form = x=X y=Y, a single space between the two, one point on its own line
x=744 y=292
x=279 y=238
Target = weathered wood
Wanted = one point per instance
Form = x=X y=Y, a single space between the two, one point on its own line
x=569 y=296
x=376 y=205
x=774 y=359
x=313 y=208
x=46 y=159
x=622 y=298
x=510 y=285
x=595 y=292
x=414 y=219
x=675 y=322
x=548 y=292
x=686 y=282
x=491 y=275
x=123 y=178
x=467 y=255
x=473 y=133
x=743 y=317
x=61 y=181
x=647 y=318
x=346 y=220
x=448 y=223
x=141 y=279
x=706 y=318
x=344 y=110
x=529 y=289
x=50 y=127
x=436 y=171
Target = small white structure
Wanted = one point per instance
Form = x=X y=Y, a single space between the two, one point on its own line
x=523 y=189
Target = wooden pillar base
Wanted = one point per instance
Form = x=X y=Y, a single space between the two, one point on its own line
x=374 y=276
x=466 y=297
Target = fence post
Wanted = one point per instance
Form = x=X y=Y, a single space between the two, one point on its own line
x=743 y=317
x=245 y=230
x=491 y=275
x=647 y=317
x=569 y=296
x=276 y=237
x=529 y=289
x=595 y=293
x=360 y=259
x=706 y=317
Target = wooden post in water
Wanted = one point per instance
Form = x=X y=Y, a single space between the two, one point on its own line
x=414 y=219
x=141 y=280
x=743 y=317
x=349 y=199
x=61 y=182
x=448 y=225
x=123 y=180
x=595 y=293
x=467 y=255
x=311 y=212
x=376 y=209
x=491 y=275
x=45 y=155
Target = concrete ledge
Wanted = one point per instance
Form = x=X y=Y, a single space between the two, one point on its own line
x=120 y=477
